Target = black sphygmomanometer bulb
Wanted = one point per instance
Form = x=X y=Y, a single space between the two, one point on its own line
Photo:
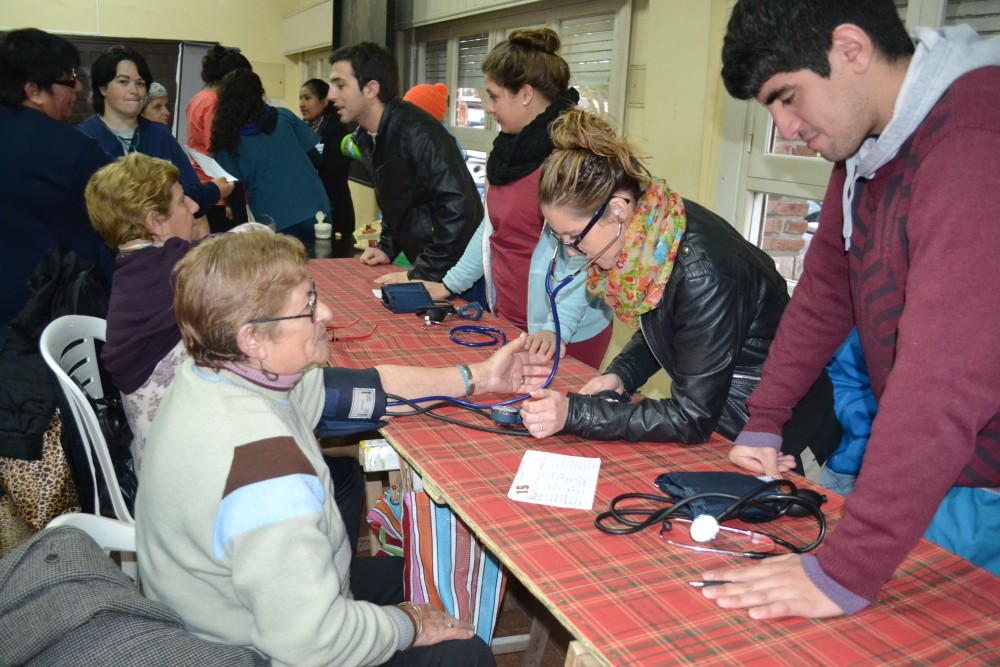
x=808 y=495
x=436 y=315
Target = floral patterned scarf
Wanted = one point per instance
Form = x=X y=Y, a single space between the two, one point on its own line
x=635 y=284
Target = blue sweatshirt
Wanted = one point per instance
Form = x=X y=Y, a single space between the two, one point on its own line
x=155 y=140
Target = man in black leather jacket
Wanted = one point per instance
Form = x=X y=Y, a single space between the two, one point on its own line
x=430 y=204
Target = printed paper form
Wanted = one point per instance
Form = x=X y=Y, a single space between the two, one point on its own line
x=208 y=165
x=556 y=479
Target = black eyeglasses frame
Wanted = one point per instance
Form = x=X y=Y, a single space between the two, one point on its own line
x=313 y=298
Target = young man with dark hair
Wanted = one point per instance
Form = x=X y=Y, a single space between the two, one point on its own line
x=430 y=204
x=46 y=163
x=906 y=251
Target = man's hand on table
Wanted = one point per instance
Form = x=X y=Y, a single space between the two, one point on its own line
x=544 y=342
x=773 y=588
x=392 y=278
x=373 y=256
x=762 y=460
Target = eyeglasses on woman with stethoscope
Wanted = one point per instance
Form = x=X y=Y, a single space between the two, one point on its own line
x=574 y=243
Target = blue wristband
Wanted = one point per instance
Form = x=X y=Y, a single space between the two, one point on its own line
x=467 y=376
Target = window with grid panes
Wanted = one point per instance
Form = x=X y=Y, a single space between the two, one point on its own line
x=472 y=50
x=453 y=53
x=586 y=47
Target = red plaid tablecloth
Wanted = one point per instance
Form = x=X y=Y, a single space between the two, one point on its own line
x=627 y=598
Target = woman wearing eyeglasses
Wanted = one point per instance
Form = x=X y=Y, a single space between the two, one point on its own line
x=705 y=303
x=237 y=529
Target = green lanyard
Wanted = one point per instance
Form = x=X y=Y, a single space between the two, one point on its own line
x=130 y=145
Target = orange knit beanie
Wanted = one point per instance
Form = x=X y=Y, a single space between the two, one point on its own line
x=431 y=97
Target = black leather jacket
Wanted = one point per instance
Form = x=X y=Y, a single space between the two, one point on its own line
x=710 y=333
x=430 y=204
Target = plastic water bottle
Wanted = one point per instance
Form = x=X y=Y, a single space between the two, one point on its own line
x=349 y=148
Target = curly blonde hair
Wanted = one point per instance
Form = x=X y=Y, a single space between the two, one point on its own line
x=588 y=165
x=121 y=195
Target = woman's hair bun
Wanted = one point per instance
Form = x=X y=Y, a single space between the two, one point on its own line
x=543 y=39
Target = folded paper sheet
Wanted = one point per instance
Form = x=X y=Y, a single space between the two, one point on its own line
x=556 y=479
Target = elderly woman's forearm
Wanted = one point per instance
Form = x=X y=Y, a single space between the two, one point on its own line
x=417 y=382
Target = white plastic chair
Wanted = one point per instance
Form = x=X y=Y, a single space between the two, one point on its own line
x=68 y=347
x=110 y=535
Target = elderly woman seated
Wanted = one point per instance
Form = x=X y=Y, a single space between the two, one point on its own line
x=237 y=529
x=138 y=206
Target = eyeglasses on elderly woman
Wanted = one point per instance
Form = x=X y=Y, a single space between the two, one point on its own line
x=311 y=306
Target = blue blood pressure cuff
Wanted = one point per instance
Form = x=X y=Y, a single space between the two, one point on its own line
x=355 y=402
x=406 y=297
x=719 y=491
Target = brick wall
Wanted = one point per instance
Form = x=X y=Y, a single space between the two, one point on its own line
x=784 y=233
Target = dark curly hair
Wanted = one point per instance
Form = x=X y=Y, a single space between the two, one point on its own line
x=241 y=101
x=220 y=61
x=768 y=37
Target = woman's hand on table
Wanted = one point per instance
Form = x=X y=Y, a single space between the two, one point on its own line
x=509 y=370
x=392 y=278
x=774 y=588
x=437 y=291
x=373 y=256
x=762 y=460
x=544 y=342
x=545 y=413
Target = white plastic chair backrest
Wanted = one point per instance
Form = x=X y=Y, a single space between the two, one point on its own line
x=68 y=347
x=110 y=534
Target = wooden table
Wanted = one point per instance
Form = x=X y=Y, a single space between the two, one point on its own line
x=626 y=599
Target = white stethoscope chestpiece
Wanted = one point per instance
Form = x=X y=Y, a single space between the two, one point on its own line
x=704 y=528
